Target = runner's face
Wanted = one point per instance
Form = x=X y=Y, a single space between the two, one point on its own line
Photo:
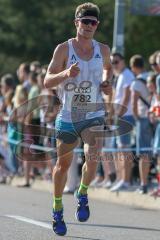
x=86 y=26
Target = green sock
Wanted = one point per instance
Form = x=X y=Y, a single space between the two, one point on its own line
x=82 y=189
x=57 y=203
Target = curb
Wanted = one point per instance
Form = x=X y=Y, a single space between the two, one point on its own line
x=132 y=199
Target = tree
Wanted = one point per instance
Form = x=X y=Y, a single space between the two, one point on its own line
x=30 y=30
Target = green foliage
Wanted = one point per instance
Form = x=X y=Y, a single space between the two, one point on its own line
x=142 y=35
x=30 y=30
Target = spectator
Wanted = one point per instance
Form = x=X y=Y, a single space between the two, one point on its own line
x=7 y=90
x=158 y=75
x=16 y=120
x=105 y=175
x=23 y=75
x=33 y=118
x=156 y=110
x=153 y=63
x=140 y=107
x=49 y=108
x=35 y=66
x=7 y=84
x=122 y=98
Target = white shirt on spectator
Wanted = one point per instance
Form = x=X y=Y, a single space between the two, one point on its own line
x=124 y=80
x=141 y=87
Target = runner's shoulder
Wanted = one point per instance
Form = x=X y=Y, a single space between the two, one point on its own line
x=62 y=49
x=105 y=49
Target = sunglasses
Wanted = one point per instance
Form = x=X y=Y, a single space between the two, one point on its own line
x=88 y=21
x=115 y=62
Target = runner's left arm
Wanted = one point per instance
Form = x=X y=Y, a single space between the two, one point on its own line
x=106 y=85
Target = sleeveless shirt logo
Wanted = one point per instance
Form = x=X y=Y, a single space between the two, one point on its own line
x=73 y=59
x=97 y=56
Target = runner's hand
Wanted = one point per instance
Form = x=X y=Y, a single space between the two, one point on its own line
x=106 y=87
x=73 y=70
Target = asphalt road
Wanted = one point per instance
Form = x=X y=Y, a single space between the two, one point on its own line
x=25 y=214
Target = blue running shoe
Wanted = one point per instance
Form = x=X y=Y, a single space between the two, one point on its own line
x=82 y=214
x=59 y=226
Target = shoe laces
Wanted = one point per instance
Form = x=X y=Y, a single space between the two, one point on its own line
x=83 y=200
x=58 y=216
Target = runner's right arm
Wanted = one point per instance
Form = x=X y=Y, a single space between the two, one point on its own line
x=56 y=72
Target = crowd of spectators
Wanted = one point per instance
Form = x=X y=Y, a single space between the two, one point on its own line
x=28 y=111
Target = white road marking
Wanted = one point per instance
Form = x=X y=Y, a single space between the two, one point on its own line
x=31 y=221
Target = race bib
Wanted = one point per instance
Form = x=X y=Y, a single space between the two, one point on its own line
x=82 y=98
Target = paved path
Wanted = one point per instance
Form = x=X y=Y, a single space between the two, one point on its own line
x=25 y=214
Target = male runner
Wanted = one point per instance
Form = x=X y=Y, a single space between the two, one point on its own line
x=77 y=70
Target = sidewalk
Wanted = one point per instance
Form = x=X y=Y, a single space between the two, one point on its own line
x=133 y=199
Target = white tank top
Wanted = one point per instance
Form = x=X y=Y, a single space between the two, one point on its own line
x=80 y=95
